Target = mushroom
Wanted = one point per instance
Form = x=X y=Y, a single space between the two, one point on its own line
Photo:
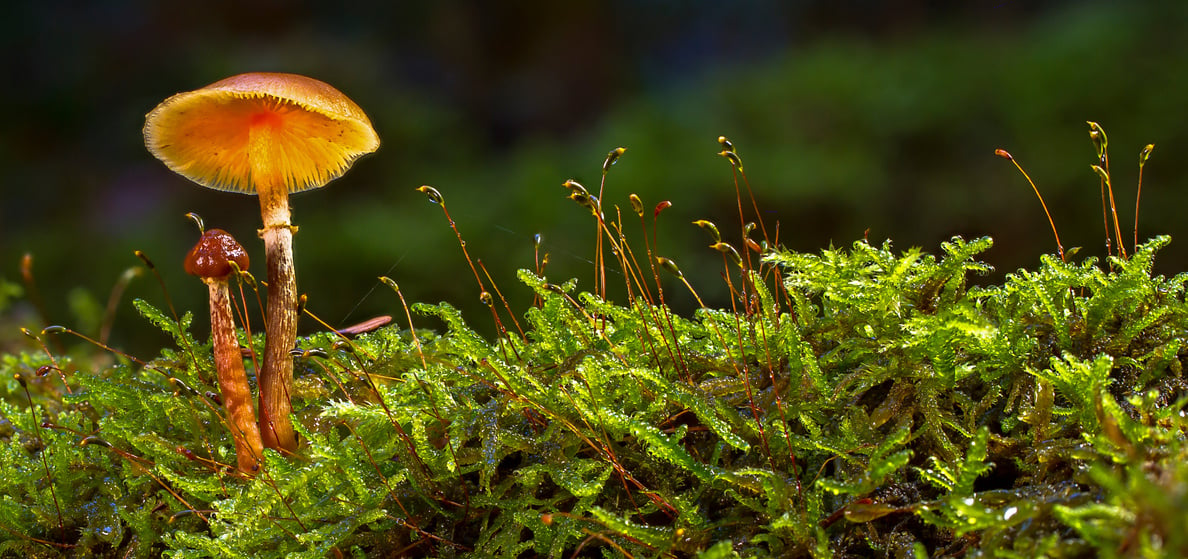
x=271 y=135
x=211 y=260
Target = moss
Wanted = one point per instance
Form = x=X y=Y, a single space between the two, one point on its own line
x=853 y=402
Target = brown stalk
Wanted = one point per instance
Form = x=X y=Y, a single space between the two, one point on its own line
x=216 y=256
x=1059 y=247
x=233 y=384
x=280 y=325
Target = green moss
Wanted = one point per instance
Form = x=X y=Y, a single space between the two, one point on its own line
x=852 y=402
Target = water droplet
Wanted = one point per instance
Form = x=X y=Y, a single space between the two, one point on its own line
x=486 y=298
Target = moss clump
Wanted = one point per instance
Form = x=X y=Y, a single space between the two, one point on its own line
x=851 y=403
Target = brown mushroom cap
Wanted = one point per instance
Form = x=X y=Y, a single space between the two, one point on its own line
x=203 y=135
x=211 y=257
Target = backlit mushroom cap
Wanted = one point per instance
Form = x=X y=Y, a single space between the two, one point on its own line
x=203 y=134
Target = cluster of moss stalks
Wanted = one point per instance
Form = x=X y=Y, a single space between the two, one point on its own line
x=857 y=402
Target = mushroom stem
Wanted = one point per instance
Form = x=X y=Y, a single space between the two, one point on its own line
x=233 y=384
x=276 y=373
x=276 y=376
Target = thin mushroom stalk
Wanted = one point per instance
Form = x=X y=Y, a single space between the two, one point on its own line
x=271 y=135
x=280 y=328
x=276 y=374
x=210 y=260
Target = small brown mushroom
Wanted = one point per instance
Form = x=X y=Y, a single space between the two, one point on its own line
x=211 y=260
x=267 y=134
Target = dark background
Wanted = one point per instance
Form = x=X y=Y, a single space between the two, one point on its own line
x=850 y=116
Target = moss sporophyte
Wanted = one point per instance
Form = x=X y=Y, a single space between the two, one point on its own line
x=859 y=401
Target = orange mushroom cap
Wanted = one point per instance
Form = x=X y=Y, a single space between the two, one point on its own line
x=203 y=134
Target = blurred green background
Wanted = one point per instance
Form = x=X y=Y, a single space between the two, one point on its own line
x=850 y=117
